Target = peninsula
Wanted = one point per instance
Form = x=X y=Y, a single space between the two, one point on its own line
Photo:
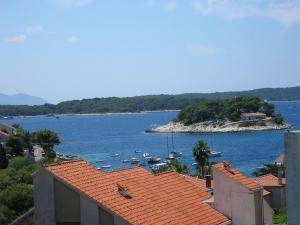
x=227 y=115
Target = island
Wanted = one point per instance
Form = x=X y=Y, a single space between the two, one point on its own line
x=245 y=113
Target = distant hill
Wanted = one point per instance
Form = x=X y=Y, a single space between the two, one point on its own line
x=21 y=99
x=145 y=103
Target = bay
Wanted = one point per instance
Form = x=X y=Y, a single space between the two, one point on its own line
x=98 y=137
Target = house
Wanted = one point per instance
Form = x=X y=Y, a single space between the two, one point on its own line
x=240 y=198
x=3 y=136
x=7 y=129
x=292 y=170
x=276 y=186
x=76 y=193
x=253 y=116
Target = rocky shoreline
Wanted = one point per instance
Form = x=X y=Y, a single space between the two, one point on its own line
x=210 y=127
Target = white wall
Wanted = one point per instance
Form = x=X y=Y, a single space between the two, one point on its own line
x=43 y=198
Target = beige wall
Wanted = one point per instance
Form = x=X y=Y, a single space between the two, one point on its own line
x=236 y=201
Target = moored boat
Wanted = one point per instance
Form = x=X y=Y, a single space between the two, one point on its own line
x=153 y=160
x=215 y=154
x=105 y=166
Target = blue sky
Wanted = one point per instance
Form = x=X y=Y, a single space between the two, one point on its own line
x=73 y=49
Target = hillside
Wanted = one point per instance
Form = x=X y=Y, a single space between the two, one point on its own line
x=21 y=99
x=145 y=103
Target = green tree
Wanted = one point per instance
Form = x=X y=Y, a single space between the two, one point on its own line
x=3 y=158
x=266 y=169
x=18 y=198
x=278 y=119
x=15 y=145
x=46 y=139
x=201 y=153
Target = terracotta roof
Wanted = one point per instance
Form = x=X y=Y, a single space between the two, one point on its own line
x=269 y=180
x=234 y=174
x=201 y=183
x=3 y=134
x=167 y=198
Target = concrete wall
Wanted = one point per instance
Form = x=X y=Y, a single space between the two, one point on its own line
x=233 y=200
x=268 y=213
x=292 y=169
x=43 y=198
x=67 y=203
x=89 y=211
x=277 y=198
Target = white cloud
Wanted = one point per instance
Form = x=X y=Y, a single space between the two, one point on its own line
x=72 y=39
x=73 y=3
x=199 y=49
x=16 y=39
x=34 y=29
x=171 y=6
x=285 y=12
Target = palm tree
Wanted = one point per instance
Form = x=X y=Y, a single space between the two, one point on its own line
x=201 y=153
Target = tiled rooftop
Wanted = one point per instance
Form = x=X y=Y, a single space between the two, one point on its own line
x=269 y=180
x=234 y=174
x=167 y=198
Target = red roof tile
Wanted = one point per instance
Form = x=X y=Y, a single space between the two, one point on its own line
x=167 y=198
x=234 y=174
x=269 y=180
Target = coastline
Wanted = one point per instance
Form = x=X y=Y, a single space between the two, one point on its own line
x=99 y=114
x=208 y=127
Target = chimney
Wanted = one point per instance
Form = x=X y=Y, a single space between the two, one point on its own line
x=258 y=205
x=208 y=181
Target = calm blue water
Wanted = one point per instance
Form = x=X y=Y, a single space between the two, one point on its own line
x=99 y=137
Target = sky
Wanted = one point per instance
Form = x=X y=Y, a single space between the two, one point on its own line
x=73 y=49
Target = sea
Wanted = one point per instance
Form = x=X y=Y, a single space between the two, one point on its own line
x=102 y=137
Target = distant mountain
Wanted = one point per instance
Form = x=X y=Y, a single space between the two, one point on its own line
x=21 y=99
x=144 y=103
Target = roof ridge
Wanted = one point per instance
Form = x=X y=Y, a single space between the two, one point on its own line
x=122 y=169
x=64 y=162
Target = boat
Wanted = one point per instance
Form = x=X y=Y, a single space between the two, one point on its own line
x=125 y=160
x=215 y=154
x=153 y=160
x=146 y=155
x=176 y=154
x=134 y=160
x=99 y=161
x=57 y=117
x=194 y=164
x=105 y=166
x=137 y=151
x=142 y=164
x=115 y=155
x=98 y=168
x=158 y=166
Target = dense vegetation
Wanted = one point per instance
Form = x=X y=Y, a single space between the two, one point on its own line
x=144 y=103
x=16 y=191
x=224 y=109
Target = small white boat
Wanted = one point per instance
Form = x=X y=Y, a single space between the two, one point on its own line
x=158 y=166
x=146 y=155
x=99 y=161
x=176 y=154
x=115 y=155
x=137 y=151
x=105 y=166
x=134 y=160
x=194 y=164
x=215 y=154
x=98 y=168
x=125 y=160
